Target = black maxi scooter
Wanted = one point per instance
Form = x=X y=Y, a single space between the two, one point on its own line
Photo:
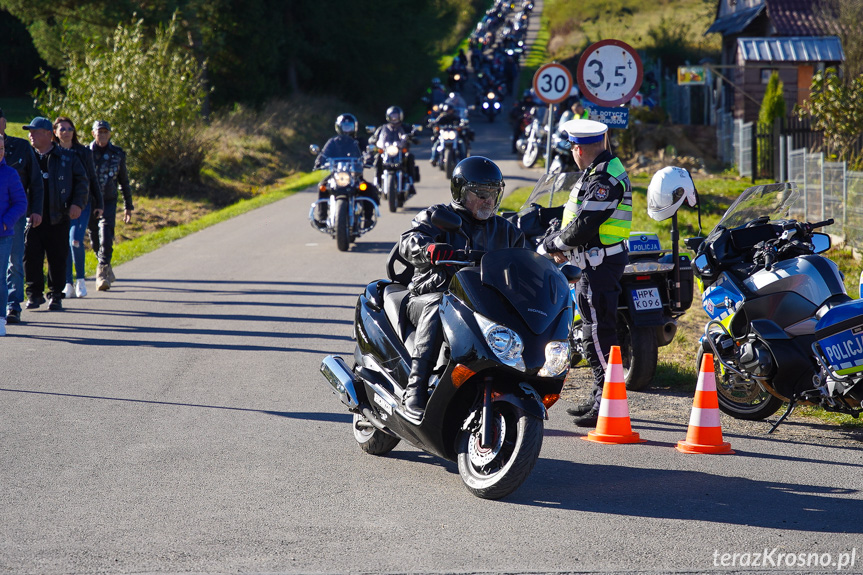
x=506 y=319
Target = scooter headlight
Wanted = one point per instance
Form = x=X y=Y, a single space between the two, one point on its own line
x=504 y=342
x=556 y=359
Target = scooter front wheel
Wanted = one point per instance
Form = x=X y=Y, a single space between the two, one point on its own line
x=497 y=471
x=740 y=398
x=371 y=439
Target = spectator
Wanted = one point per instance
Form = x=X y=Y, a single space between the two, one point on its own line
x=20 y=155
x=110 y=163
x=66 y=189
x=67 y=137
x=13 y=205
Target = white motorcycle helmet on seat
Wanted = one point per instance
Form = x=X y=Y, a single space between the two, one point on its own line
x=668 y=189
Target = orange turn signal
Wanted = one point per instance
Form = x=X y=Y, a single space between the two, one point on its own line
x=550 y=399
x=322 y=187
x=461 y=374
x=363 y=186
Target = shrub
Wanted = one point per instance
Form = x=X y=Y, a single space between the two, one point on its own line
x=149 y=90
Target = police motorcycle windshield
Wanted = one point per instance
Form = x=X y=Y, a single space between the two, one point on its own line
x=777 y=202
x=532 y=285
x=551 y=190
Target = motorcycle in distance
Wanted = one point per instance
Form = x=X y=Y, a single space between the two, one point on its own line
x=345 y=207
x=561 y=154
x=502 y=365
x=451 y=142
x=535 y=135
x=492 y=104
x=782 y=327
x=652 y=297
x=396 y=182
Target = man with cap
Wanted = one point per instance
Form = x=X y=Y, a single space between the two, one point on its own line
x=66 y=193
x=20 y=155
x=111 y=170
x=596 y=223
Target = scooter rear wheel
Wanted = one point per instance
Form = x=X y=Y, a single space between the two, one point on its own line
x=371 y=439
x=499 y=470
x=639 y=353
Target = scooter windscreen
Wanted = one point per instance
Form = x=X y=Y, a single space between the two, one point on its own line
x=531 y=283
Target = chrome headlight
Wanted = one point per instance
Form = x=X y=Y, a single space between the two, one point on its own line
x=490 y=96
x=447 y=134
x=392 y=150
x=504 y=342
x=556 y=359
x=342 y=179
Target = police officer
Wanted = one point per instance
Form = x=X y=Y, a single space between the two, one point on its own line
x=477 y=189
x=596 y=223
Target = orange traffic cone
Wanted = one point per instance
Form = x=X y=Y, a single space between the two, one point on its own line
x=612 y=425
x=705 y=433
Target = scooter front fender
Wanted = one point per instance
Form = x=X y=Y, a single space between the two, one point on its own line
x=525 y=397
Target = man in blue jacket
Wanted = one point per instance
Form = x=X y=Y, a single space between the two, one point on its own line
x=13 y=204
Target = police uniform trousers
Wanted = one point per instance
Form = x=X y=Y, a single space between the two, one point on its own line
x=597 y=294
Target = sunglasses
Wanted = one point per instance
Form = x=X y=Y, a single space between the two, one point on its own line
x=65 y=129
x=485 y=193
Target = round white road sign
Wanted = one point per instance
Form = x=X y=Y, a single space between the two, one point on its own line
x=609 y=73
x=552 y=83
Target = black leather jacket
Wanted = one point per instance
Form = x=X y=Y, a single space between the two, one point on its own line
x=110 y=163
x=86 y=156
x=65 y=185
x=20 y=155
x=488 y=235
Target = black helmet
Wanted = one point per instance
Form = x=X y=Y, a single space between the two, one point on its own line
x=476 y=174
x=395 y=115
x=346 y=124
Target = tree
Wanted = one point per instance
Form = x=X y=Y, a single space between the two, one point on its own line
x=773 y=104
x=149 y=91
x=836 y=108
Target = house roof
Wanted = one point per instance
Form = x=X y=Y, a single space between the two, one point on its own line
x=791 y=49
x=736 y=22
x=794 y=17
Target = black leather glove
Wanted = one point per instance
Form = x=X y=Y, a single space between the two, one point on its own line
x=440 y=251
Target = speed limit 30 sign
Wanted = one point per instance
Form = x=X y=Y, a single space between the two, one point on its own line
x=552 y=83
x=609 y=73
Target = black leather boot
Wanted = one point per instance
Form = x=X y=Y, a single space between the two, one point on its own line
x=416 y=393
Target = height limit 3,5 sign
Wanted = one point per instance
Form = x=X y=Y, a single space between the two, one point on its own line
x=609 y=73
x=552 y=83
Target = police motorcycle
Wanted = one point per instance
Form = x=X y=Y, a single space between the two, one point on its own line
x=502 y=365
x=345 y=207
x=397 y=177
x=781 y=328
x=657 y=284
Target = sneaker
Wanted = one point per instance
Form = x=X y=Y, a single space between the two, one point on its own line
x=580 y=409
x=80 y=288
x=13 y=316
x=589 y=419
x=35 y=302
x=69 y=291
x=56 y=304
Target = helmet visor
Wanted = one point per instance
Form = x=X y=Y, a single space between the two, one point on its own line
x=348 y=126
x=486 y=191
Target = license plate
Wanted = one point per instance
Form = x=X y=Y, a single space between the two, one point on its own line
x=646 y=298
x=844 y=350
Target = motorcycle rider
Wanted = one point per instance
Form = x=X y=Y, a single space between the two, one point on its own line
x=516 y=115
x=392 y=131
x=448 y=116
x=343 y=145
x=477 y=189
x=596 y=223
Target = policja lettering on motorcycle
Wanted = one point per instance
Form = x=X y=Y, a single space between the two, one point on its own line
x=596 y=223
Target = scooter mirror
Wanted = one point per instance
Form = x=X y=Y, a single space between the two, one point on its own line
x=314 y=150
x=370 y=129
x=702 y=265
x=571 y=273
x=445 y=220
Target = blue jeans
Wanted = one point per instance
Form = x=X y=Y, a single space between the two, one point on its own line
x=15 y=271
x=76 y=245
x=5 y=250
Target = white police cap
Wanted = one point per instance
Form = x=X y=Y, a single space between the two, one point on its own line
x=584 y=131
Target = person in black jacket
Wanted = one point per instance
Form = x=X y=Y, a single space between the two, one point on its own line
x=20 y=155
x=66 y=191
x=110 y=161
x=66 y=136
x=477 y=189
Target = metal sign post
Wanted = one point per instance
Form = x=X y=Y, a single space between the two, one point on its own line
x=552 y=84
